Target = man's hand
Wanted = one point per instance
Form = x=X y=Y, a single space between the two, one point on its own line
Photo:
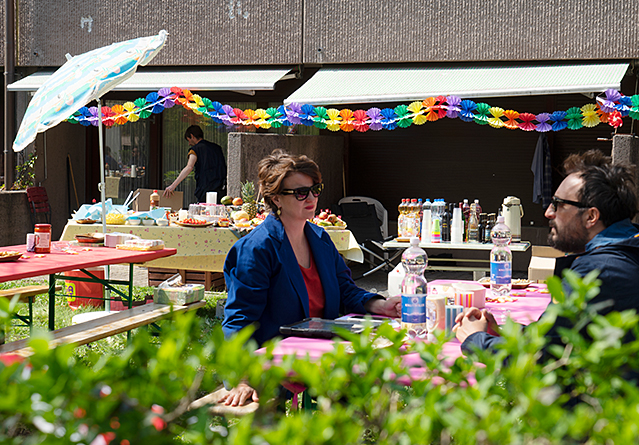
x=239 y=395
x=168 y=192
x=391 y=307
x=470 y=321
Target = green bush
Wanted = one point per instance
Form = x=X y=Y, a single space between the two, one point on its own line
x=578 y=395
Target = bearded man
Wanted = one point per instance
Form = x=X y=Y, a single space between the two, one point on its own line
x=590 y=220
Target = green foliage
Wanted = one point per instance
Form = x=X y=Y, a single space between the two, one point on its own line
x=170 y=176
x=409 y=394
x=25 y=173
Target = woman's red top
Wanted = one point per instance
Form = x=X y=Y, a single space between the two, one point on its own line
x=316 y=298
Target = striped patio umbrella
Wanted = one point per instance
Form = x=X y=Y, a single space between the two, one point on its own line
x=80 y=80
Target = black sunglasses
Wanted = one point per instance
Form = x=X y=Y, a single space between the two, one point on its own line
x=301 y=193
x=554 y=201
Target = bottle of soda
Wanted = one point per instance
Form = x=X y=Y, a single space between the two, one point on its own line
x=466 y=214
x=501 y=259
x=446 y=222
x=413 y=218
x=414 y=290
x=473 y=225
x=491 y=219
x=479 y=209
x=426 y=221
x=401 y=219
x=436 y=224
x=482 y=227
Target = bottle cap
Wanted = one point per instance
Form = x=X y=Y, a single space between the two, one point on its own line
x=501 y=219
x=414 y=241
x=155 y=191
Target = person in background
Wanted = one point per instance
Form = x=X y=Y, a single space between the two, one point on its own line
x=288 y=269
x=109 y=160
x=590 y=218
x=207 y=159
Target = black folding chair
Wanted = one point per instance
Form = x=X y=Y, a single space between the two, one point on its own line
x=365 y=226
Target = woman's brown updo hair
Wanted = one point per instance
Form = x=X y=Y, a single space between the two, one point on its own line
x=272 y=170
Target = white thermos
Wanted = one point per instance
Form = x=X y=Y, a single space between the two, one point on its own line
x=513 y=212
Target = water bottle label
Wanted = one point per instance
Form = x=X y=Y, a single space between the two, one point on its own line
x=500 y=273
x=414 y=308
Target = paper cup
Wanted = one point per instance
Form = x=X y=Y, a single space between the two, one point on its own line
x=436 y=312
x=211 y=197
x=451 y=313
x=470 y=295
x=32 y=240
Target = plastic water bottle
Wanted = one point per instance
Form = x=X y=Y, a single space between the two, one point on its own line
x=414 y=290
x=501 y=259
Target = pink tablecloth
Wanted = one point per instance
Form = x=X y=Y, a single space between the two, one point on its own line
x=526 y=309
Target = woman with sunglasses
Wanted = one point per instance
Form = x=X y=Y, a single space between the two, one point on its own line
x=288 y=269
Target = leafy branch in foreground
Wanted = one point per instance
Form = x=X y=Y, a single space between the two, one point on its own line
x=573 y=391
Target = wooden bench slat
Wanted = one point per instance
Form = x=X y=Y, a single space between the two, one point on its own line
x=27 y=291
x=97 y=329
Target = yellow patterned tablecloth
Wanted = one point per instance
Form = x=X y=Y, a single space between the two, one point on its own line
x=201 y=248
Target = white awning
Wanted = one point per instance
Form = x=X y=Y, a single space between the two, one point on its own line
x=245 y=81
x=331 y=86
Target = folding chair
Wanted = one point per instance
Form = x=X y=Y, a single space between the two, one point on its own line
x=39 y=204
x=366 y=227
x=382 y=213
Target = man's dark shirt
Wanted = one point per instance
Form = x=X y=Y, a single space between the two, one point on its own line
x=615 y=253
x=210 y=169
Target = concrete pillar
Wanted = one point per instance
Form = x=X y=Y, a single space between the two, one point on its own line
x=625 y=150
x=245 y=150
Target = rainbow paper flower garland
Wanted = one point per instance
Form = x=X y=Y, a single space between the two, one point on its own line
x=611 y=108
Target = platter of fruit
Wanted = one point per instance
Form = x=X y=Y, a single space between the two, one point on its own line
x=329 y=221
x=192 y=222
x=10 y=255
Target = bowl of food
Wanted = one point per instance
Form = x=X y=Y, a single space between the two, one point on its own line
x=134 y=221
x=148 y=222
x=162 y=222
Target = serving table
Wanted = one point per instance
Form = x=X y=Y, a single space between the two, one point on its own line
x=464 y=254
x=200 y=248
x=64 y=259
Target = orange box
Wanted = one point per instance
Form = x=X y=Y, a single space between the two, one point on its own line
x=77 y=290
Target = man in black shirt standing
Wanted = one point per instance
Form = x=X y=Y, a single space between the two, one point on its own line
x=207 y=159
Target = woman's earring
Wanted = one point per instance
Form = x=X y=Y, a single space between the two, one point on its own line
x=279 y=211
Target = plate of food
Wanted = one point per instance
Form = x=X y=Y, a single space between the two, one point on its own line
x=86 y=221
x=90 y=238
x=193 y=223
x=10 y=255
x=334 y=227
x=516 y=284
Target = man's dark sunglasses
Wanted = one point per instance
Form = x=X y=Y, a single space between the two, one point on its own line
x=301 y=193
x=554 y=201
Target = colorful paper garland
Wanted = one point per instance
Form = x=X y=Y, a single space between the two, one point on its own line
x=611 y=108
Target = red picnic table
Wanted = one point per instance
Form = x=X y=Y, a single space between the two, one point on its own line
x=529 y=305
x=64 y=258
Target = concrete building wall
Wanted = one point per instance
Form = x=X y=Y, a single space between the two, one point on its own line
x=245 y=150
x=201 y=32
x=254 y=32
x=51 y=171
x=338 y=31
x=15 y=218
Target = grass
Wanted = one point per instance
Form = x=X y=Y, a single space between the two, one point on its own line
x=64 y=314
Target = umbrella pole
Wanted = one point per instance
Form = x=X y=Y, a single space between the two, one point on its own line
x=102 y=182
x=107 y=272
